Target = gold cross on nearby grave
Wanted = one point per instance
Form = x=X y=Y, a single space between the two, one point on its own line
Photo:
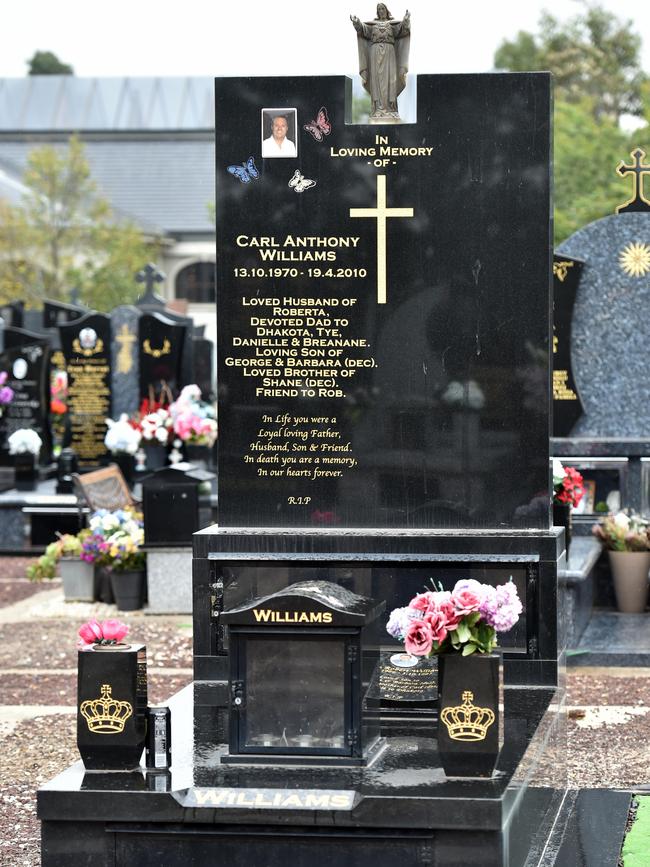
x=638 y=169
x=124 y=360
x=381 y=213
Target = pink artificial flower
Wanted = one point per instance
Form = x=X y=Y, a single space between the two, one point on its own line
x=114 y=630
x=90 y=632
x=466 y=601
x=448 y=611
x=438 y=625
x=423 y=601
x=419 y=638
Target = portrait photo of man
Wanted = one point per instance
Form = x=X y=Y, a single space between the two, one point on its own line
x=278 y=132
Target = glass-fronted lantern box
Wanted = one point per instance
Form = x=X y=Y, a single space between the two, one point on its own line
x=301 y=662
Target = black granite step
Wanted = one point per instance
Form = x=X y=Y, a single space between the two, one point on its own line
x=589 y=830
x=614 y=639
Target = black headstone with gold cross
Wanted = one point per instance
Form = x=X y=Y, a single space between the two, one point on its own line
x=382 y=306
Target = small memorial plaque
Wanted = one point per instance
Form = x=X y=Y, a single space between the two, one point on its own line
x=401 y=686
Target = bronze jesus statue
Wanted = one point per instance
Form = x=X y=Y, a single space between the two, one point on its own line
x=383 y=61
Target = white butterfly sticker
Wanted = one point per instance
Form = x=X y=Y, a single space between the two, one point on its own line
x=300 y=183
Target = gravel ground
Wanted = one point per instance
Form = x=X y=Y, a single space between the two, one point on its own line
x=608 y=709
x=38 y=669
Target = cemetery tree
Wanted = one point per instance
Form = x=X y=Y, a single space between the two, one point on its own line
x=586 y=153
x=69 y=235
x=592 y=56
x=47 y=63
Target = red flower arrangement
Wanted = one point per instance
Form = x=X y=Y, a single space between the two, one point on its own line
x=568 y=485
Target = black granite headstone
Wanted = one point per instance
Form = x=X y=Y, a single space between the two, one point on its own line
x=567 y=406
x=203 y=352
x=160 y=341
x=57 y=313
x=382 y=309
x=86 y=344
x=26 y=361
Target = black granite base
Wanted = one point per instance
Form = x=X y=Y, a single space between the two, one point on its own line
x=614 y=639
x=578 y=579
x=402 y=810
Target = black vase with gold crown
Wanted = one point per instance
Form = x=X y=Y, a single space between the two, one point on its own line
x=111 y=706
x=468 y=714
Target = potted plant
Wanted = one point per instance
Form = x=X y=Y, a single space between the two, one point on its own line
x=63 y=557
x=25 y=445
x=123 y=440
x=460 y=628
x=194 y=423
x=78 y=575
x=115 y=543
x=624 y=536
x=568 y=490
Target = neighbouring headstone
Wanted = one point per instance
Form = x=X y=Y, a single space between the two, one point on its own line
x=86 y=345
x=57 y=313
x=203 y=353
x=13 y=313
x=609 y=328
x=25 y=358
x=567 y=406
x=160 y=348
x=383 y=309
x=151 y=302
x=125 y=360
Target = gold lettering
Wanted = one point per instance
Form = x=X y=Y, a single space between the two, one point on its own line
x=267 y=615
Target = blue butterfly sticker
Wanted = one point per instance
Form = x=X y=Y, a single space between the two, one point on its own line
x=246 y=171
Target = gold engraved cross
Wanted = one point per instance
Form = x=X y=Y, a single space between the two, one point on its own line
x=381 y=213
x=638 y=169
x=125 y=338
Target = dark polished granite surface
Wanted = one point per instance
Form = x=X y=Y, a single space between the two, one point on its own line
x=584 y=551
x=612 y=638
x=405 y=787
x=590 y=829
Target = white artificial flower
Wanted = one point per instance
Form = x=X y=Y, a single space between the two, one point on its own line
x=161 y=435
x=558 y=472
x=24 y=440
x=622 y=520
x=121 y=436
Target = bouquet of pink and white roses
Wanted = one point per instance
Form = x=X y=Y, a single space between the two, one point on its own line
x=465 y=620
x=194 y=420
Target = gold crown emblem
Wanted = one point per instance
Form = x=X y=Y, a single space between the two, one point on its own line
x=466 y=722
x=106 y=715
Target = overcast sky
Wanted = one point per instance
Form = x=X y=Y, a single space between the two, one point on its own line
x=285 y=37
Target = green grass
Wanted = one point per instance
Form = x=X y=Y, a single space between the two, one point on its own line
x=636 y=849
